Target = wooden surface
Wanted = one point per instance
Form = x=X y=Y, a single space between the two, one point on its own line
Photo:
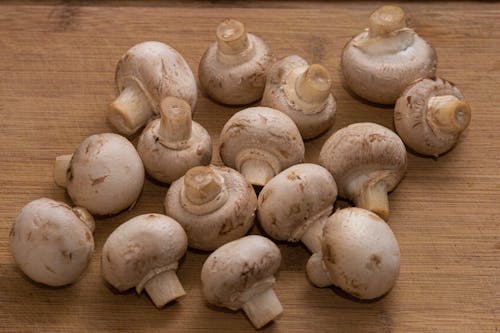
x=57 y=65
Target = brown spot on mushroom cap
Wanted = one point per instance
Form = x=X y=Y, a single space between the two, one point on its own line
x=411 y=117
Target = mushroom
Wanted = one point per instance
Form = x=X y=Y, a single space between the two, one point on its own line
x=144 y=253
x=214 y=205
x=359 y=254
x=294 y=205
x=260 y=142
x=302 y=92
x=146 y=74
x=105 y=174
x=430 y=115
x=240 y=275
x=51 y=242
x=232 y=70
x=367 y=161
x=173 y=144
x=379 y=63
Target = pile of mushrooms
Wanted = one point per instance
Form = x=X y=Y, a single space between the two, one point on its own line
x=212 y=207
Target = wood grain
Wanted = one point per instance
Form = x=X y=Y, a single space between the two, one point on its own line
x=56 y=79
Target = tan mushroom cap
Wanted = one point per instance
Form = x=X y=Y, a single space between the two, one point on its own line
x=360 y=254
x=214 y=205
x=240 y=274
x=260 y=142
x=430 y=115
x=146 y=74
x=173 y=144
x=379 y=63
x=232 y=70
x=105 y=174
x=302 y=92
x=144 y=253
x=50 y=243
x=294 y=201
x=367 y=161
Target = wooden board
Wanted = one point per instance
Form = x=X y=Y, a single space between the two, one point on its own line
x=57 y=63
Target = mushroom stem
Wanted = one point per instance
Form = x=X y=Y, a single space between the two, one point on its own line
x=374 y=198
x=204 y=190
x=257 y=172
x=316 y=271
x=314 y=84
x=231 y=37
x=61 y=167
x=262 y=308
x=164 y=288
x=448 y=113
x=175 y=124
x=86 y=217
x=385 y=20
x=130 y=110
x=312 y=236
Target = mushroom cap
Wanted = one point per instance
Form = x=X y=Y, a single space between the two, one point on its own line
x=167 y=165
x=50 y=244
x=229 y=222
x=364 y=153
x=294 y=199
x=360 y=253
x=158 y=70
x=241 y=83
x=141 y=248
x=381 y=78
x=263 y=129
x=236 y=271
x=310 y=125
x=410 y=117
x=105 y=174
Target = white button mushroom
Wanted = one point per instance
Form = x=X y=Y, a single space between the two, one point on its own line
x=240 y=274
x=260 y=142
x=302 y=92
x=214 y=205
x=52 y=243
x=144 y=253
x=105 y=174
x=382 y=61
x=294 y=205
x=146 y=74
x=232 y=70
x=173 y=144
x=430 y=116
x=359 y=254
x=367 y=161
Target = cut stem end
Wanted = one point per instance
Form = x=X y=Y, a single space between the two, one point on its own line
x=316 y=272
x=263 y=308
x=448 y=113
x=257 y=172
x=204 y=190
x=386 y=20
x=129 y=111
x=164 y=288
x=231 y=37
x=313 y=85
x=61 y=167
x=176 y=123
